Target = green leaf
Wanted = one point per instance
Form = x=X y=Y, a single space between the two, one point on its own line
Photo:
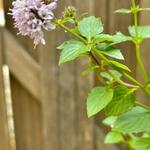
x=102 y=38
x=71 y=50
x=115 y=53
x=140 y=143
x=134 y=121
x=106 y=75
x=98 y=99
x=123 y=100
x=92 y=66
x=109 y=121
x=119 y=38
x=90 y=27
x=143 y=31
x=119 y=65
x=113 y=137
x=109 y=51
x=146 y=134
x=101 y=46
x=123 y=11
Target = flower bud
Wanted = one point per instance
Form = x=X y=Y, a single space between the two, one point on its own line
x=70 y=12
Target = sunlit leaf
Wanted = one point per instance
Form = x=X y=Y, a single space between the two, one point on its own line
x=143 y=31
x=102 y=38
x=119 y=38
x=109 y=51
x=113 y=137
x=90 y=27
x=119 y=65
x=98 y=99
x=134 y=121
x=71 y=50
x=109 y=121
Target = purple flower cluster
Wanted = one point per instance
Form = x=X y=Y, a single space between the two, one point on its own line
x=32 y=17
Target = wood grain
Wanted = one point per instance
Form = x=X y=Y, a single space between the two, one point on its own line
x=4 y=135
x=27 y=118
x=49 y=93
x=22 y=65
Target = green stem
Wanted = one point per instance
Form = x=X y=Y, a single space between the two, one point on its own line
x=141 y=65
x=142 y=105
x=133 y=3
x=135 y=17
x=137 y=45
x=122 y=82
x=73 y=33
x=132 y=79
x=127 y=75
x=116 y=79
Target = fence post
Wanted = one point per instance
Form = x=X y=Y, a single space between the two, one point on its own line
x=4 y=136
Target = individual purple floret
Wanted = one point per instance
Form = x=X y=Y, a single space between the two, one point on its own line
x=32 y=17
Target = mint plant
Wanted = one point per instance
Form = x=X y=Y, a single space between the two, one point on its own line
x=127 y=117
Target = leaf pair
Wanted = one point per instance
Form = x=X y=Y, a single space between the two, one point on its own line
x=109 y=51
x=143 y=31
x=103 y=49
x=115 y=102
x=88 y=27
x=134 y=121
x=128 y=11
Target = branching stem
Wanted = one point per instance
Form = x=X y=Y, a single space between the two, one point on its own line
x=116 y=79
x=137 y=44
x=102 y=57
x=142 y=105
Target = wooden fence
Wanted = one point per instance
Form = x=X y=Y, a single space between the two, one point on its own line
x=48 y=100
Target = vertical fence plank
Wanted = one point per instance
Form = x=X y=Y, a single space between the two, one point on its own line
x=49 y=93
x=4 y=136
x=102 y=10
x=27 y=118
x=85 y=126
x=67 y=101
